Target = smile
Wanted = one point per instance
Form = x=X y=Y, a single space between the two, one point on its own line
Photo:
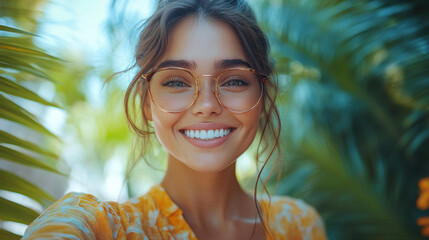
x=207 y=134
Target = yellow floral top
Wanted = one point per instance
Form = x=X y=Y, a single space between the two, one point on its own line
x=155 y=216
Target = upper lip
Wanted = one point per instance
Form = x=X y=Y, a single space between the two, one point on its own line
x=207 y=126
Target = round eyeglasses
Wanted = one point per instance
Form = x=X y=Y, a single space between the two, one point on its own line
x=175 y=89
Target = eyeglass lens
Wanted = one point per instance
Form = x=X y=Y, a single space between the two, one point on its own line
x=174 y=90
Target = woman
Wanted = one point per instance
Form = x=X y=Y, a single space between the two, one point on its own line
x=204 y=85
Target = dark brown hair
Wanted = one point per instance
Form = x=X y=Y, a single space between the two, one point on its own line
x=153 y=41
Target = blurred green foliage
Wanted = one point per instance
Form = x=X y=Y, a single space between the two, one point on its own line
x=354 y=103
x=22 y=64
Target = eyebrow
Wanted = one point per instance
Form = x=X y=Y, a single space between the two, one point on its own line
x=229 y=63
x=222 y=64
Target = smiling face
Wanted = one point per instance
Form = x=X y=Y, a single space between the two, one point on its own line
x=205 y=137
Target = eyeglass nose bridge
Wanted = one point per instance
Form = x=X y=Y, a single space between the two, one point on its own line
x=206 y=76
x=213 y=86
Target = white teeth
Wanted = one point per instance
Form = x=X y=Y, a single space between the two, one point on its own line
x=210 y=134
x=207 y=134
x=203 y=134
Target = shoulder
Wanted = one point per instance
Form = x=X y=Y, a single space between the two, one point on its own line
x=77 y=205
x=80 y=215
x=287 y=207
x=83 y=204
x=293 y=218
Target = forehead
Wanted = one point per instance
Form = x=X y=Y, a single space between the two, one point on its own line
x=204 y=41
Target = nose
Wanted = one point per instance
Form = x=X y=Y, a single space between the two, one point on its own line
x=206 y=103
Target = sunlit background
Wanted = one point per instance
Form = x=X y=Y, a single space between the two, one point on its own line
x=354 y=93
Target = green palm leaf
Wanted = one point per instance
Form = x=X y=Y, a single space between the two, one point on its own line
x=16 y=63
x=21 y=60
x=10 y=211
x=8 y=235
x=355 y=108
x=14 y=30
x=13 y=183
x=13 y=112
x=18 y=157
x=11 y=139
x=10 y=87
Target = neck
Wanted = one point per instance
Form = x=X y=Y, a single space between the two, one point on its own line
x=205 y=195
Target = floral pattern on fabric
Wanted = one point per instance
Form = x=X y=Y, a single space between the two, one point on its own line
x=155 y=216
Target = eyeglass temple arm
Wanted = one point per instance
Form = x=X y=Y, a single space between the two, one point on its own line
x=265 y=78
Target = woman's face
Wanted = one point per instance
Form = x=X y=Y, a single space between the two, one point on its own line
x=203 y=44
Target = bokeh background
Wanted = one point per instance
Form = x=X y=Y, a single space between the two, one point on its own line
x=354 y=102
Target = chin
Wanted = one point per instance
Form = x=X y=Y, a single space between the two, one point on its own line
x=208 y=164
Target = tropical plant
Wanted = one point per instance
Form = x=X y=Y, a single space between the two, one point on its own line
x=21 y=63
x=354 y=79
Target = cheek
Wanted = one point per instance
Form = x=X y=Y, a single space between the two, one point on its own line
x=255 y=117
x=250 y=123
x=164 y=127
x=252 y=129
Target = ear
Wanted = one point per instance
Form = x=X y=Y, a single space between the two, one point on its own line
x=147 y=111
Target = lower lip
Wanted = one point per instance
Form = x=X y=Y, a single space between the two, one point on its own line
x=212 y=143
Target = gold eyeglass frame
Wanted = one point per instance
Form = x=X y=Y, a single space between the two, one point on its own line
x=262 y=77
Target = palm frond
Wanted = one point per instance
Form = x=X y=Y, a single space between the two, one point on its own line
x=11 y=87
x=21 y=60
x=14 y=30
x=10 y=211
x=9 y=235
x=355 y=78
x=13 y=112
x=7 y=138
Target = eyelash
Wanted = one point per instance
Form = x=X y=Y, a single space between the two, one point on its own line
x=170 y=81
x=241 y=82
x=231 y=81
